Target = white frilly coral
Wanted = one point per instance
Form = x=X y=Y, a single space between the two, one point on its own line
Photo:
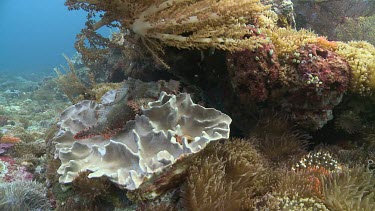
x=168 y=128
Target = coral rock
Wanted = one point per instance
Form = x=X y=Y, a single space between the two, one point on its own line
x=254 y=72
x=322 y=79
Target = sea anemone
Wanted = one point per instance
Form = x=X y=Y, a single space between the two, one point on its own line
x=23 y=195
x=351 y=189
x=291 y=184
x=277 y=139
x=317 y=160
x=349 y=122
x=370 y=140
x=91 y=189
x=302 y=204
x=228 y=176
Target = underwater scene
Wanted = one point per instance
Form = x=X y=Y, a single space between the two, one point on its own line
x=222 y=105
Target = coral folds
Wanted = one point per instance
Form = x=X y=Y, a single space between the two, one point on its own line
x=168 y=128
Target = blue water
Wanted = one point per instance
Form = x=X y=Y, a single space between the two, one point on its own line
x=35 y=33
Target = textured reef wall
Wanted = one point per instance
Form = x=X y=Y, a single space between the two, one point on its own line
x=301 y=104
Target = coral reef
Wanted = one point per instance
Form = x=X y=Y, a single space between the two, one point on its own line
x=298 y=70
x=36 y=148
x=11 y=171
x=125 y=146
x=287 y=41
x=47 y=91
x=4 y=147
x=100 y=89
x=187 y=129
x=4 y=120
x=127 y=101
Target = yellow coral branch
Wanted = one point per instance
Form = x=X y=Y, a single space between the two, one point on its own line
x=187 y=23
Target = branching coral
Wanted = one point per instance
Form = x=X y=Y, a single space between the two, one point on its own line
x=180 y=23
x=288 y=40
x=71 y=85
x=360 y=56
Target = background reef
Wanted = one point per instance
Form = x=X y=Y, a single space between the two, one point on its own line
x=114 y=130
